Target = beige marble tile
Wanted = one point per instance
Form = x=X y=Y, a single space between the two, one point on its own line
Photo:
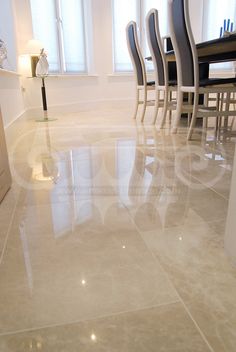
x=5 y=217
x=146 y=330
x=7 y=208
x=105 y=209
x=111 y=167
x=211 y=169
x=67 y=262
x=174 y=206
x=195 y=260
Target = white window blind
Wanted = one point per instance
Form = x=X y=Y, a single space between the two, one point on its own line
x=133 y=10
x=123 y=12
x=161 y=6
x=215 y=11
x=59 y=25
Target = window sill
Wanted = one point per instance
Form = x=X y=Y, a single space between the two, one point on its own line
x=121 y=74
x=126 y=74
x=68 y=76
x=72 y=75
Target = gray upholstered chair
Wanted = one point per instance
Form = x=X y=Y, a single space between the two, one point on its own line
x=163 y=84
x=188 y=68
x=140 y=70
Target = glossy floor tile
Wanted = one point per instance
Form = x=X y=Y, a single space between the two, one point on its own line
x=84 y=256
x=145 y=330
x=112 y=237
x=195 y=260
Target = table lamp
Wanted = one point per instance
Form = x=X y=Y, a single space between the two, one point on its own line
x=39 y=68
x=33 y=49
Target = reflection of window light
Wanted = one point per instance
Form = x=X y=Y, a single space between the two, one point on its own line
x=216 y=157
x=125 y=157
x=39 y=345
x=84 y=212
x=125 y=11
x=63 y=221
x=61 y=217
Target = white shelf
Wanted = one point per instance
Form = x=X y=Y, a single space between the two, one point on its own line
x=7 y=72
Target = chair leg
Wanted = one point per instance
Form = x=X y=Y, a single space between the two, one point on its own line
x=178 y=111
x=206 y=102
x=227 y=105
x=170 y=111
x=217 y=117
x=156 y=107
x=165 y=108
x=144 y=104
x=189 y=102
x=136 y=104
x=222 y=96
x=194 y=116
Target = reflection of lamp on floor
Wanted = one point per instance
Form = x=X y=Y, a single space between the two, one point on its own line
x=44 y=166
x=39 y=68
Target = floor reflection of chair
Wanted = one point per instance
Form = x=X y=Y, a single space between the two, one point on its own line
x=155 y=163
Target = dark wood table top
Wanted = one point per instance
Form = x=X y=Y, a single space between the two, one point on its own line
x=213 y=51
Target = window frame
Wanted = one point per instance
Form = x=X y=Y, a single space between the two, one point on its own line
x=140 y=9
x=60 y=41
x=217 y=68
x=138 y=21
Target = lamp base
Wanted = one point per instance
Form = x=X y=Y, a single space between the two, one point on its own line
x=46 y=118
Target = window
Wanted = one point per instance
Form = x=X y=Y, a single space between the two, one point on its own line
x=213 y=20
x=59 y=25
x=214 y=15
x=133 y=10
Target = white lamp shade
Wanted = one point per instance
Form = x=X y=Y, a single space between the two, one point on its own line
x=34 y=47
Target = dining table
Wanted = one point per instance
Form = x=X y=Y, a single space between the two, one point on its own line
x=212 y=51
x=218 y=50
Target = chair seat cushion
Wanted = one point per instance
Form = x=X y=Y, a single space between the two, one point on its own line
x=217 y=81
x=151 y=83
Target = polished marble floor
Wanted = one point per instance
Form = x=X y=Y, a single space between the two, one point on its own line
x=112 y=237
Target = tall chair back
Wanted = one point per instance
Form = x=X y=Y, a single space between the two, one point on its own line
x=135 y=53
x=183 y=43
x=156 y=47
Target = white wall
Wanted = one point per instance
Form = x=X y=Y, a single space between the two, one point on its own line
x=11 y=99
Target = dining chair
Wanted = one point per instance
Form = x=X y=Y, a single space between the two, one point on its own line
x=188 y=69
x=142 y=85
x=163 y=84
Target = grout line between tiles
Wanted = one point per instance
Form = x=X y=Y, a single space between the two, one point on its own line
x=193 y=320
x=9 y=230
x=212 y=189
x=80 y=321
x=173 y=286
